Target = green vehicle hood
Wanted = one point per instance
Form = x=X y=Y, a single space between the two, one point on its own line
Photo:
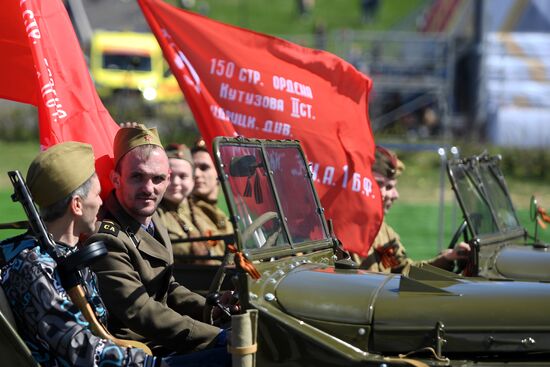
x=407 y=311
x=327 y=294
x=524 y=263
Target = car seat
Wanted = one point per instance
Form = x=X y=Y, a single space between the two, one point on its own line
x=13 y=349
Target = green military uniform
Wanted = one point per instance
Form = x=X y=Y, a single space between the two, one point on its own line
x=185 y=221
x=387 y=254
x=211 y=221
x=208 y=217
x=179 y=223
x=137 y=286
x=214 y=218
x=182 y=222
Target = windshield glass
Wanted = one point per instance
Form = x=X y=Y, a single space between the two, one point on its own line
x=125 y=61
x=259 y=219
x=500 y=201
x=477 y=209
x=295 y=194
x=252 y=195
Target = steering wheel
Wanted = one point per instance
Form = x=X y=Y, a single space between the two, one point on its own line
x=215 y=286
x=258 y=223
x=217 y=281
x=462 y=230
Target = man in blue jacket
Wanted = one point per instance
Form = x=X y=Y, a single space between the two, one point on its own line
x=63 y=183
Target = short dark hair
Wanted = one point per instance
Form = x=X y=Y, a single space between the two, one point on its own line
x=59 y=208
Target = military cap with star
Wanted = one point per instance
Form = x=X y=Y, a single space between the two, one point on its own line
x=387 y=164
x=128 y=138
x=58 y=171
x=179 y=151
x=199 y=146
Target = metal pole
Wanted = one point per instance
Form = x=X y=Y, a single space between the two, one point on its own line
x=456 y=155
x=475 y=74
x=442 y=165
x=81 y=23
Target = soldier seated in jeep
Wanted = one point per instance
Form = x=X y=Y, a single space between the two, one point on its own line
x=387 y=253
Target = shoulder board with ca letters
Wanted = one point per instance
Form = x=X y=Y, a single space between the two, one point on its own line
x=109 y=227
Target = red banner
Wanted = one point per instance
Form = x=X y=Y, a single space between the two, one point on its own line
x=42 y=64
x=241 y=82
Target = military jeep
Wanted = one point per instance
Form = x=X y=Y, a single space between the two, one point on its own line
x=502 y=248
x=315 y=308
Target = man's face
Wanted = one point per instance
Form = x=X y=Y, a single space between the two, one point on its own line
x=90 y=207
x=206 y=183
x=181 y=180
x=141 y=182
x=388 y=191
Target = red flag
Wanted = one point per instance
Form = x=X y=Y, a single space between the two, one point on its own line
x=241 y=82
x=42 y=64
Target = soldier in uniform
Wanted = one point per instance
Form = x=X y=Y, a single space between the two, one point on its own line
x=387 y=253
x=135 y=277
x=209 y=217
x=178 y=214
x=49 y=322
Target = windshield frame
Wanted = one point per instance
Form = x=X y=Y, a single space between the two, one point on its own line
x=475 y=169
x=290 y=248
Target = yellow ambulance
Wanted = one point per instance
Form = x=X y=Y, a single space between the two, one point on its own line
x=131 y=62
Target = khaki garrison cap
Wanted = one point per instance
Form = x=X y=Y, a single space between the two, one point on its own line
x=387 y=164
x=179 y=151
x=128 y=138
x=58 y=171
x=199 y=146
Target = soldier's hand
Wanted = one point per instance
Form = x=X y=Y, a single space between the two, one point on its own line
x=229 y=302
x=459 y=252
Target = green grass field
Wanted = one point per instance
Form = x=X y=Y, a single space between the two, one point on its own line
x=281 y=17
x=415 y=216
x=418 y=227
x=15 y=156
x=9 y=212
x=417 y=224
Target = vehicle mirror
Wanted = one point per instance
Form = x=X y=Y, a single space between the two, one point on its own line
x=533 y=208
x=243 y=166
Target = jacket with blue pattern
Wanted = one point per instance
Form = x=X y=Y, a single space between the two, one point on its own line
x=50 y=324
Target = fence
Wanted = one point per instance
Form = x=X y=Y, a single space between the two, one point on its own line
x=413 y=75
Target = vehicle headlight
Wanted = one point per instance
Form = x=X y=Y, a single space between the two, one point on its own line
x=149 y=93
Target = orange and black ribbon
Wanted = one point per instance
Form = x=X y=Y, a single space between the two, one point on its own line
x=387 y=255
x=542 y=217
x=210 y=243
x=244 y=263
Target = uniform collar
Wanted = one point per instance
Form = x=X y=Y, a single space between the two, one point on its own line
x=198 y=199
x=167 y=205
x=158 y=247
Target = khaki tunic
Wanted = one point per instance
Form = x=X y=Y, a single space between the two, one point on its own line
x=180 y=222
x=135 y=280
x=387 y=254
x=211 y=221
